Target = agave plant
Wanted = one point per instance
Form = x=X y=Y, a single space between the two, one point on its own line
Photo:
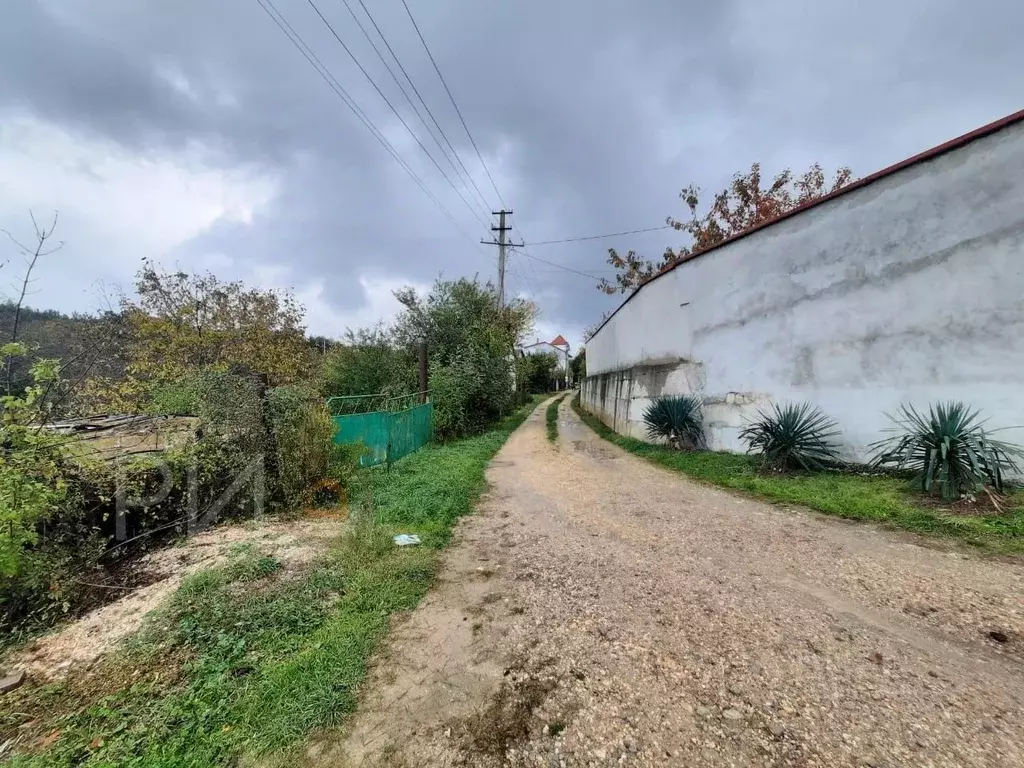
x=948 y=449
x=793 y=436
x=678 y=420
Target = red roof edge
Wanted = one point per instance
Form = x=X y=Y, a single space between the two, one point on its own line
x=928 y=154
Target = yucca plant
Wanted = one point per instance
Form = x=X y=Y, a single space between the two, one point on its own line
x=679 y=420
x=947 y=449
x=793 y=436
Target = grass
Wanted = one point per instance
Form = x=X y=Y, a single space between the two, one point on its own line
x=877 y=498
x=551 y=416
x=246 y=659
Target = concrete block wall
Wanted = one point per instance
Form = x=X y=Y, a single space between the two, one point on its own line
x=908 y=289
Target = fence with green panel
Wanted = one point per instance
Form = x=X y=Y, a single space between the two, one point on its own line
x=387 y=427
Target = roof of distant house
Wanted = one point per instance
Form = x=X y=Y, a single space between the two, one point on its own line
x=929 y=154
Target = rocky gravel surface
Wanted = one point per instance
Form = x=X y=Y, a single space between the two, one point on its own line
x=600 y=611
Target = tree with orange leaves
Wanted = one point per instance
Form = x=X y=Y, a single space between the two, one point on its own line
x=745 y=203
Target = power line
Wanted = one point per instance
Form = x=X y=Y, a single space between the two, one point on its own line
x=405 y=93
x=328 y=77
x=416 y=90
x=601 y=237
x=392 y=108
x=462 y=119
x=529 y=255
x=454 y=104
x=530 y=263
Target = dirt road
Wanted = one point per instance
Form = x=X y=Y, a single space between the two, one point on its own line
x=600 y=611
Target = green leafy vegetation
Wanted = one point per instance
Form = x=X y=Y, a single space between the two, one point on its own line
x=947 y=450
x=246 y=661
x=537 y=373
x=229 y=368
x=32 y=484
x=848 y=494
x=793 y=436
x=578 y=366
x=551 y=417
x=368 y=362
x=678 y=420
x=469 y=340
x=59 y=543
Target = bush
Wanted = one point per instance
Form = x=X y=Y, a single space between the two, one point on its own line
x=368 y=362
x=60 y=539
x=470 y=393
x=175 y=399
x=794 y=436
x=679 y=420
x=303 y=432
x=947 y=449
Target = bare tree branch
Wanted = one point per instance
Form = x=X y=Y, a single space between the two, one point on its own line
x=42 y=235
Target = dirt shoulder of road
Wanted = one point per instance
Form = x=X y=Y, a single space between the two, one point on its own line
x=79 y=645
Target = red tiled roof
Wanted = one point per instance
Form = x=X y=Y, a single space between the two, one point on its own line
x=929 y=154
x=559 y=341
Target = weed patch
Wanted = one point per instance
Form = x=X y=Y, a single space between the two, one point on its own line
x=878 y=498
x=551 y=417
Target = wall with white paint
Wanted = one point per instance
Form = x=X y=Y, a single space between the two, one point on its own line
x=907 y=290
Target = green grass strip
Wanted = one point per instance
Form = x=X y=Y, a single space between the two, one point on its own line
x=551 y=416
x=876 y=498
x=245 y=662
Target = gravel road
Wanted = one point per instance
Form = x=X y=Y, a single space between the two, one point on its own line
x=600 y=611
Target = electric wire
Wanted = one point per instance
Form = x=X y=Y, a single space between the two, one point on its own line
x=391 y=106
x=328 y=77
x=601 y=237
x=454 y=104
x=433 y=119
x=405 y=93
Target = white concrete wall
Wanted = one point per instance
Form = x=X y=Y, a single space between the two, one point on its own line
x=910 y=289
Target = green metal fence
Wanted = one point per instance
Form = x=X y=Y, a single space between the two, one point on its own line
x=388 y=427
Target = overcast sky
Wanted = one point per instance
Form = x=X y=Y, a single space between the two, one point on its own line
x=194 y=132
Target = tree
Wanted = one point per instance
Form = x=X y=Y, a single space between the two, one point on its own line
x=537 y=373
x=470 y=341
x=578 y=366
x=184 y=323
x=32 y=255
x=368 y=362
x=745 y=203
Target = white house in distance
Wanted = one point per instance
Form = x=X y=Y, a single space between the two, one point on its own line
x=558 y=347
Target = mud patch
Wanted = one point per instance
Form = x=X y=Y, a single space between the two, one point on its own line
x=510 y=717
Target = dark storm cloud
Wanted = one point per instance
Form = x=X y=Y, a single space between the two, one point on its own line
x=591 y=114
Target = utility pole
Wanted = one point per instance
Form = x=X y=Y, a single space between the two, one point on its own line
x=502 y=243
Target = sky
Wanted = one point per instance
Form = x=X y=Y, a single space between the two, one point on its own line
x=195 y=133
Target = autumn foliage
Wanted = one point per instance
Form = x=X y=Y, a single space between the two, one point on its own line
x=745 y=203
x=183 y=324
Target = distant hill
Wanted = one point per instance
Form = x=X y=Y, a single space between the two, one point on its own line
x=85 y=344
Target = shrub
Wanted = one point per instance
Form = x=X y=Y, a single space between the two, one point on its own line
x=179 y=398
x=304 y=440
x=793 y=436
x=471 y=392
x=679 y=420
x=368 y=362
x=947 y=448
